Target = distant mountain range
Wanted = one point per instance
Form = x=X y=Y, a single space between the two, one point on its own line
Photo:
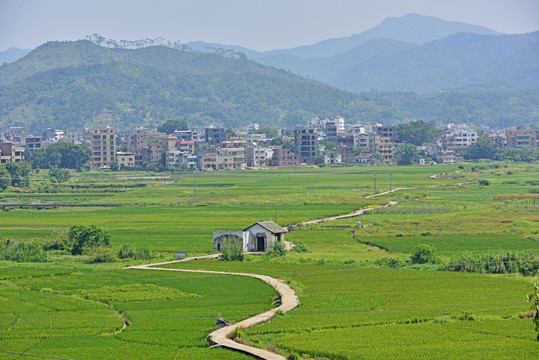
x=12 y=54
x=411 y=53
x=411 y=67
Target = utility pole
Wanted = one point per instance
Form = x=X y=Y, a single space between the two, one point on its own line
x=276 y=214
x=195 y=184
x=375 y=179
x=289 y=180
x=389 y=182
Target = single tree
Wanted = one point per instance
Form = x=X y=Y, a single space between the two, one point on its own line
x=230 y=133
x=424 y=254
x=5 y=178
x=232 y=249
x=406 y=154
x=20 y=173
x=57 y=175
x=85 y=237
x=483 y=148
x=417 y=132
x=169 y=126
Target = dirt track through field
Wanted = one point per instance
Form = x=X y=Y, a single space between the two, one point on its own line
x=220 y=337
x=289 y=299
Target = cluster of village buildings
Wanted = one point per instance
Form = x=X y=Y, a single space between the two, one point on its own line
x=354 y=144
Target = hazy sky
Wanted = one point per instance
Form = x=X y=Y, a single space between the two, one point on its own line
x=256 y=24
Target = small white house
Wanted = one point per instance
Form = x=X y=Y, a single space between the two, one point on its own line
x=255 y=238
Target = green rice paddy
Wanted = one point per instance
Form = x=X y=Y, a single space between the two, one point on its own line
x=350 y=309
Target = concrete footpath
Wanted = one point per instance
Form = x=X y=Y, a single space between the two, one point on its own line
x=220 y=337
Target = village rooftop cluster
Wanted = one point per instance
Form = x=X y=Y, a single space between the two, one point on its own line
x=320 y=141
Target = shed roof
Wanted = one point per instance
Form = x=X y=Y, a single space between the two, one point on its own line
x=270 y=226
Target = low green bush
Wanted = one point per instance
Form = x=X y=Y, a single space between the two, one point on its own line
x=484 y=182
x=505 y=262
x=277 y=249
x=301 y=248
x=131 y=252
x=232 y=249
x=390 y=262
x=101 y=254
x=23 y=252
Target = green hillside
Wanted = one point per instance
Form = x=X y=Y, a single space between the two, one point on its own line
x=71 y=85
x=74 y=84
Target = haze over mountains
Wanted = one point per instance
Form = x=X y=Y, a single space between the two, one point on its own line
x=487 y=78
x=411 y=53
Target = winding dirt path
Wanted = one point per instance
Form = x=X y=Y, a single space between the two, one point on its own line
x=289 y=299
x=220 y=337
x=345 y=216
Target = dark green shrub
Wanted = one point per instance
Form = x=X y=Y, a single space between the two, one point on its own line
x=59 y=240
x=301 y=248
x=390 y=262
x=424 y=254
x=85 y=237
x=484 y=182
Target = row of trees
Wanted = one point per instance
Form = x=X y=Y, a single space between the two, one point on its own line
x=64 y=155
x=485 y=148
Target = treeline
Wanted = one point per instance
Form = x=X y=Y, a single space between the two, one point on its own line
x=505 y=262
x=63 y=154
x=485 y=148
x=495 y=108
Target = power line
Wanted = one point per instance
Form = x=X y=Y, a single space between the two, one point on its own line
x=25 y=354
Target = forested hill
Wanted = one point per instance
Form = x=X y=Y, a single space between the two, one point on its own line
x=70 y=85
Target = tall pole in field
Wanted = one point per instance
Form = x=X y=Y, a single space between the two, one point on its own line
x=195 y=184
x=276 y=214
x=375 y=178
x=389 y=182
x=288 y=179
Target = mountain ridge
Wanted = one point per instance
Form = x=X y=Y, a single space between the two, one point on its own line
x=70 y=84
x=414 y=28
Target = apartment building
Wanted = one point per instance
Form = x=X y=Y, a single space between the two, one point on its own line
x=284 y=158
x=10 y=152
x=214 y=135
x=125 y=159
x=103 y=143
x=521 y=138
x=458 y=139
x=256 y=156
x=306 y=145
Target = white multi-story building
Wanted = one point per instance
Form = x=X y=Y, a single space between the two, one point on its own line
x=177 y=159
x=256 y=156
x=458 y=139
